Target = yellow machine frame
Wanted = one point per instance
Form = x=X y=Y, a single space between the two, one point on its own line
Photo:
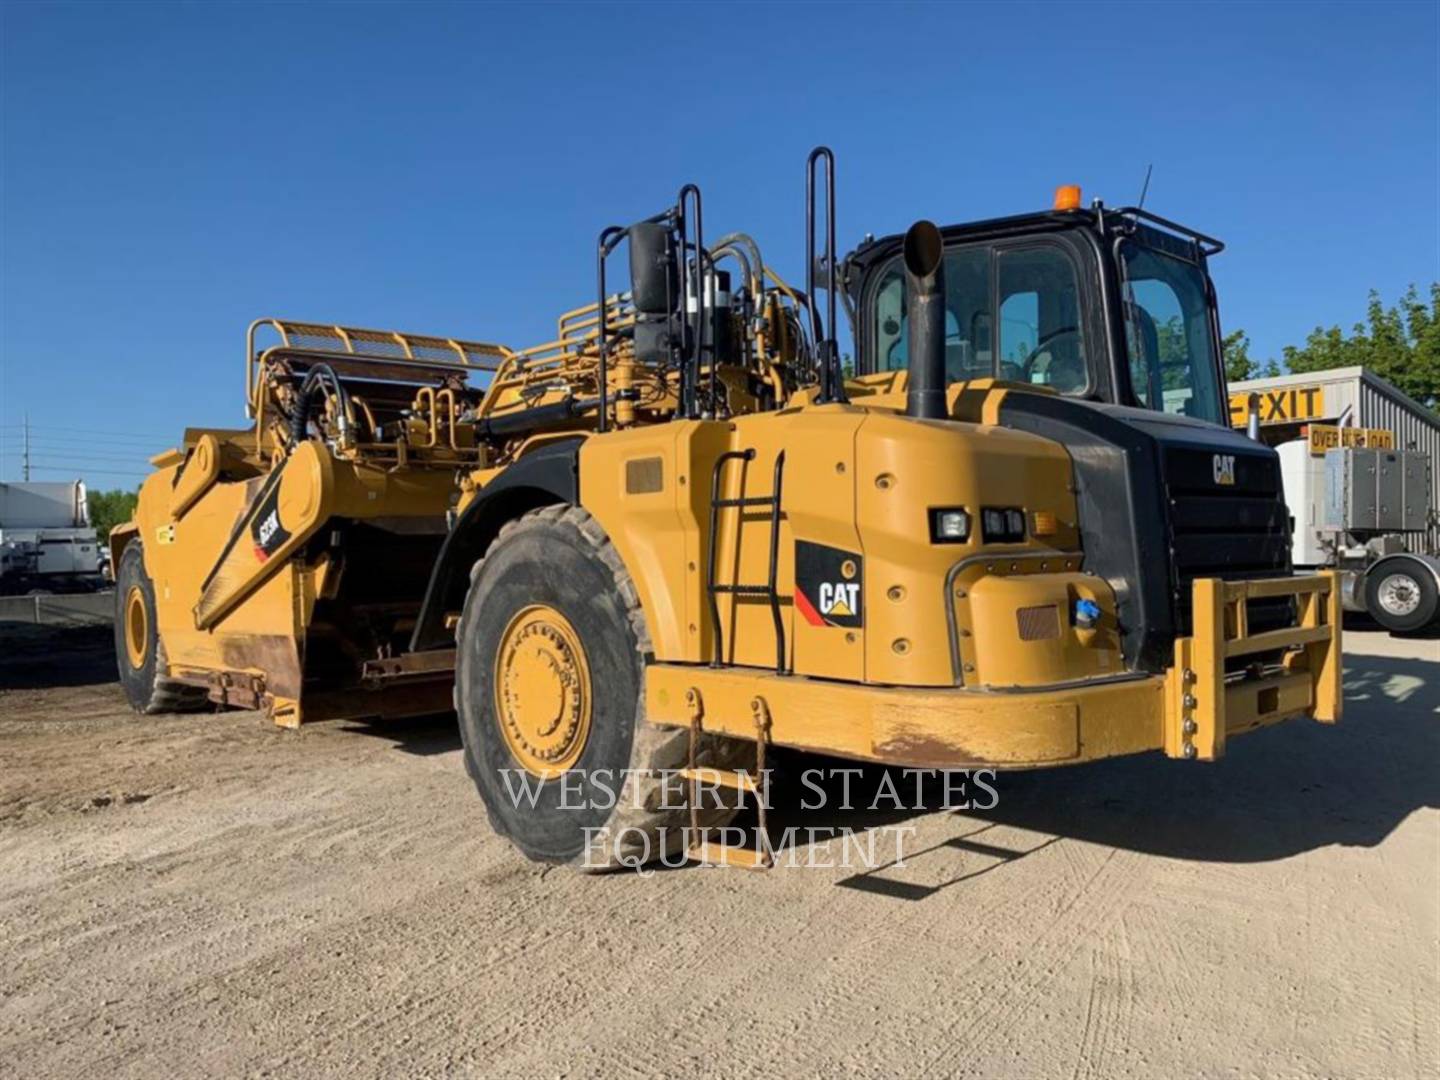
x=884 y=693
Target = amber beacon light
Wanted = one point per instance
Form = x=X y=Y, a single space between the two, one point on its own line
x=1067 y=197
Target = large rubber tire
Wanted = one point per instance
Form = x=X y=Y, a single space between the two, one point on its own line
x=139 y=652
x=560 y=557
x=1410 y=584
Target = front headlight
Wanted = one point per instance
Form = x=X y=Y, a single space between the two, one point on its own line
x=949 y=525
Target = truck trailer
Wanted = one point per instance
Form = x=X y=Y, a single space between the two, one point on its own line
x=46 y=541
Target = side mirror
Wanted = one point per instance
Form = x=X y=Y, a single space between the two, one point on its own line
x=654 y=277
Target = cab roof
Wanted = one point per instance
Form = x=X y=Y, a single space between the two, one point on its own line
x=1170 y=236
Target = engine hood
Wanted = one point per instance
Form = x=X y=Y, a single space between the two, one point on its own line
x=1163 y=500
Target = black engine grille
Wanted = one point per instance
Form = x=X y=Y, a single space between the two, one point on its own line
x=1230 y=531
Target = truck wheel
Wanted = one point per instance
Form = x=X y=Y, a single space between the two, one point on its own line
x=1401 y=595
x=138 y=651
x=551 y=652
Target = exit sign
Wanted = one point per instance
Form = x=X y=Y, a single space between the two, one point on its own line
x=1283 y=406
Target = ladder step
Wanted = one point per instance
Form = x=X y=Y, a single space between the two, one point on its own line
x=744 y=590
x=734 y=779
x=749 y=500
x=724 y=855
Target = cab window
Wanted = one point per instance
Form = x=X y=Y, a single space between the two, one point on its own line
x=1038 y=329
x=968 y=354
x=1169 y=335
x=1040 y=339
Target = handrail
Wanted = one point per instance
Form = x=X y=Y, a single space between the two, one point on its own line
x=389 y=346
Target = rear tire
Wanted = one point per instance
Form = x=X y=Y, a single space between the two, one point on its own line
x=1401 y=595
x=553 y=618
x=139 y=653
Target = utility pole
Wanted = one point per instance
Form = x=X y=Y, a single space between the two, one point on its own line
x=27 y=448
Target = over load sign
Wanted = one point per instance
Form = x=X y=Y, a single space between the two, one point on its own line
x=1328 y=437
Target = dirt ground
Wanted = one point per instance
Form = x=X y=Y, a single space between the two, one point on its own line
x=206 y=894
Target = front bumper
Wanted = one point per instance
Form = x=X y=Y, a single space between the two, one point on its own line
x=1188 y=712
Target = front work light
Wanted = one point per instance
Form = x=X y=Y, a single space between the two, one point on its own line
x=949 y=525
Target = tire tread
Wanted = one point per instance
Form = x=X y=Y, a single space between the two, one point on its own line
x=164 y=694
x=654 y=748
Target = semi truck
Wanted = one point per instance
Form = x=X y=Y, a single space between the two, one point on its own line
x=46 y=541
x=1361 y=507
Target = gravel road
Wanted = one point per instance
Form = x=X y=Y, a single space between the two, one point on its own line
x=209 y=895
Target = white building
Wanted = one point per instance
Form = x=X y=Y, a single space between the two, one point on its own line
x=1343 y=397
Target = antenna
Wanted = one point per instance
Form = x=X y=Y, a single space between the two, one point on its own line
x=1145 y=187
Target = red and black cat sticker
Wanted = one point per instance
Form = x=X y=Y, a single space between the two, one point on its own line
x=266 y=532
x=829 y=585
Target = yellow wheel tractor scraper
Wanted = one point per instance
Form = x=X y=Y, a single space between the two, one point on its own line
x=1020 y=533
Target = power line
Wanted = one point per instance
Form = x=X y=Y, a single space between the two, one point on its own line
x=79 y=462
x=45 y=445
x=100 y=459
x=52 y=433
x=84 y=431
x=42 y=454
x=112 y=459
x=98 y=472
x=56 y=440
x=37 y=447
x=42 y=433
x=84 y=452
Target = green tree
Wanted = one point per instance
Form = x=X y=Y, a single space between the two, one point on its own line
x=1401 y=344
x=1235 y=351
x=1172 y=353
x=1174 y=356
x=111 y=508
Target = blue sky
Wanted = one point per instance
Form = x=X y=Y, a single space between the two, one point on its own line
x=172 y=171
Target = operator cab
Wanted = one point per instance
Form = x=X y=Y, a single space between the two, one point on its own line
x=1112 y=314
x=1105 y=305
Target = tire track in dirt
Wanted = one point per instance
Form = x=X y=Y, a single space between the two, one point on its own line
x=1109 y=1003
x=1007 y=995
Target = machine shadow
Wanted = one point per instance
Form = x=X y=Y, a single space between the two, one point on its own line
x=1278 y=793
x=45 y=657
x=422 y=736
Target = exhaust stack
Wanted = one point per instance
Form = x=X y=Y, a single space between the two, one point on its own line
x=925 y=311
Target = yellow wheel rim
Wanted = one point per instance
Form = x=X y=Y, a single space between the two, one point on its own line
x=137 y=627
x=542 y=691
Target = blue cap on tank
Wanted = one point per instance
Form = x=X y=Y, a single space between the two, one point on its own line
x=1087 y=613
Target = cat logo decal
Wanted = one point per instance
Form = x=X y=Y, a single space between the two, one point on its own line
x=1224 y=469
x=829 y=585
